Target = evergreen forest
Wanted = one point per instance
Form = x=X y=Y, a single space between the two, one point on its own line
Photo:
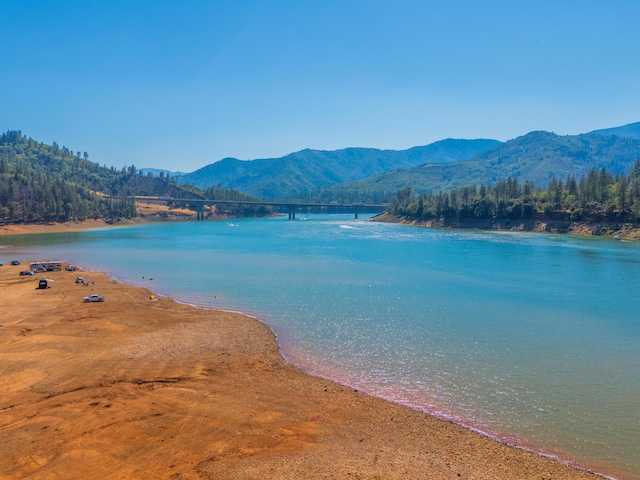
x=44 y=183
x=598 y=197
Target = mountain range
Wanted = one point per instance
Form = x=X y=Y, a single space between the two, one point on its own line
x=536 y=156
x=368 y=174
x=308 y=171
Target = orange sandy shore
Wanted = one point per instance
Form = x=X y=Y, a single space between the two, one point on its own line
x=141 y=388
x=53 y=227
x=147 y=212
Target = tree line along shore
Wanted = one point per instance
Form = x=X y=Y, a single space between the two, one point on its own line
x=599 y=203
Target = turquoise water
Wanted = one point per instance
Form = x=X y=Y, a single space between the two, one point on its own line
x=533 y=339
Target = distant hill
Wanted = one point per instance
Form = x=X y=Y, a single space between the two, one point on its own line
x=537 y=156
x=302 y=173
x=631 y=130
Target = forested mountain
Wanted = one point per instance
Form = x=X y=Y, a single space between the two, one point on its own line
x=370 y=175
x=537 y=157
x=41 y=182
x=299 y=174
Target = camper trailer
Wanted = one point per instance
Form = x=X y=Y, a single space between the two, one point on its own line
x=46 y=266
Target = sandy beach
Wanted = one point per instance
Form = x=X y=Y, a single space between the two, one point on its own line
x=146 y=212
x=139 y=388
x=51 y=227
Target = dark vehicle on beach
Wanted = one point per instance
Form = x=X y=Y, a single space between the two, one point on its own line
x=27 y=273
x=42 y=284
x=15 y=262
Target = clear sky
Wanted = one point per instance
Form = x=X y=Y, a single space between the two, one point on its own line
x=184 y=83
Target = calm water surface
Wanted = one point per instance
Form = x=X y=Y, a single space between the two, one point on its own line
x=534 y=339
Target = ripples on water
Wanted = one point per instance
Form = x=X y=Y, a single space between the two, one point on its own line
x=527 y=337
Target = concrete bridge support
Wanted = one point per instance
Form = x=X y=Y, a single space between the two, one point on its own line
x=292 y=213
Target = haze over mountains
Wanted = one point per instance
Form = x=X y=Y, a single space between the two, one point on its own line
x=367 y=174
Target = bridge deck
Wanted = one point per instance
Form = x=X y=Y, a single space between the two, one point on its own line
x=291 y=206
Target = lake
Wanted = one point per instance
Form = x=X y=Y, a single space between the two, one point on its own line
x=533 y=339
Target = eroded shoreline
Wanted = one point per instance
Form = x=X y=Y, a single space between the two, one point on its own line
x=618 y=231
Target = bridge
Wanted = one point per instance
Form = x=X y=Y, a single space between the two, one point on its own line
x=199 y=204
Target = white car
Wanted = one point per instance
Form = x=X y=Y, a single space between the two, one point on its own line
x=94 y=298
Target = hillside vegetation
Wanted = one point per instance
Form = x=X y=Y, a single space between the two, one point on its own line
x=536 y=157
x=371 y=175
x=44 y=183
x=303 y=174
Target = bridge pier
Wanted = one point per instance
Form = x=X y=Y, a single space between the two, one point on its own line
x=199 y=212
x=292 y=213
x=356 y=212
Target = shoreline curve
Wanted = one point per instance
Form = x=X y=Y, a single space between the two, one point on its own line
x=134 y=387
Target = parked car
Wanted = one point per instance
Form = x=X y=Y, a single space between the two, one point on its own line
x=70 y=268
x=94 y=298
x=25 y=273
x=42 y=284
x=80 y=280
x=15 y=262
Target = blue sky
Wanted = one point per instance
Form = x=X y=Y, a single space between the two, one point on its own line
x=182 y=84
